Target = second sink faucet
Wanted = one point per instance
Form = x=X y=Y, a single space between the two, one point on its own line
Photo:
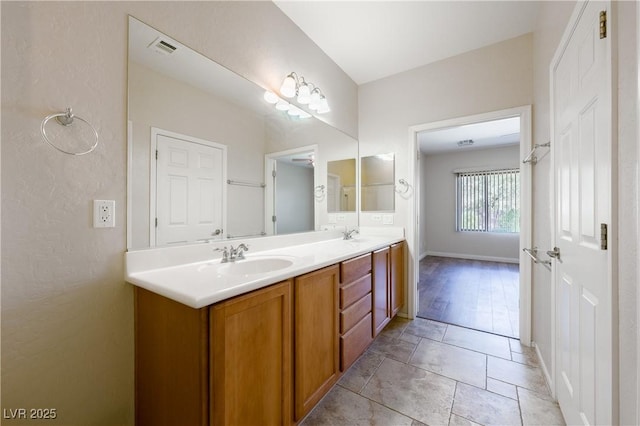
x=233 y=254
x=348 y=234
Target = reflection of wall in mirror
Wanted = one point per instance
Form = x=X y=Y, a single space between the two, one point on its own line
x=159 y=101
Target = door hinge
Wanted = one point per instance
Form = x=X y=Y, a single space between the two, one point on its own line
x=273 y=218
x=273 y=173
x=156 y=154
x=604 y=233
x=603 y=24
x=156 y=222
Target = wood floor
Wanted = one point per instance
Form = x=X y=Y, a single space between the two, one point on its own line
x=470 y=293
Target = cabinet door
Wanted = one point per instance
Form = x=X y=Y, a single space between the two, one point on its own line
x=381 y=306
x=171 y=362
x=251 y=366
x=316 y=337
x=397 y=278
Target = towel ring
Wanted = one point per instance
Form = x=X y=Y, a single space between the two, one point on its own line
x=66 y=119
x=404 y=185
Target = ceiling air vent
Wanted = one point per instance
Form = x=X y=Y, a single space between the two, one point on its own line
x=466 y=142
x=162 y=46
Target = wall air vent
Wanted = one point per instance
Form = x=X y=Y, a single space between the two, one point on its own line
x=466 y=142
x=162 y=46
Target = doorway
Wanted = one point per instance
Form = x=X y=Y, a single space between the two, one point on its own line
x=417 y=245
x=469 y=233
x=290 y=201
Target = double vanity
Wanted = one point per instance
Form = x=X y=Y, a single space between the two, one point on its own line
x=258 y=340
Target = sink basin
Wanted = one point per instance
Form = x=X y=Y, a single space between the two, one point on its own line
x=254 y=266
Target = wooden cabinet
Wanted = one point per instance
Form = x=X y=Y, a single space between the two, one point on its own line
x=381 y=306
x=316 y=337
x=251 y=375
x=171 y=362
x=266 y=357
x=388 y=285
x=229 y=364
x=396 y=276
x=356 y=301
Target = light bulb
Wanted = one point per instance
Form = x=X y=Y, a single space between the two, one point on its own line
x=288 y=87
x=304 y=93
x=282 y=105
x=324 y=106
x=271 y=97
x=293 y=111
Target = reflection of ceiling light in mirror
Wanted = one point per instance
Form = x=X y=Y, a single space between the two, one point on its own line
x=271 y=97
x=386 y=157
x=282 y=105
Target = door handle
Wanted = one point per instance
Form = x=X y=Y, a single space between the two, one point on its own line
x=216 y=232
x=555 y=253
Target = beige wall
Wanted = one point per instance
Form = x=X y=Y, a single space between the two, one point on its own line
x=438 y=235
x=492 y=78
x=67 y=315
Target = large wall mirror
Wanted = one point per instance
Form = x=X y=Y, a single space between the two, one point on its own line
x=376 y=181
x=202 y=142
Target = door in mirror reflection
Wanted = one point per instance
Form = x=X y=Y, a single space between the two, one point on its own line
x=189 y=189
x=341 y=185
x=376 y=181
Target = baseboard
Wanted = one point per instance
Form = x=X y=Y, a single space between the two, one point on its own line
x=471 y=257
x=545 y=371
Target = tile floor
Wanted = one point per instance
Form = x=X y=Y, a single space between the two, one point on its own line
x=426 y=372
x=470 y=293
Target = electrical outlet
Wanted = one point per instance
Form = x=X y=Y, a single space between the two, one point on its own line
x=376 y=217
x=387 y=219
x=104 y=213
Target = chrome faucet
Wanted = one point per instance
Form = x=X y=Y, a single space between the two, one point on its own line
x=238 y=252
x=348 y=234
x=232 y=254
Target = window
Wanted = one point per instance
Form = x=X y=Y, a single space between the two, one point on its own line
x=488 y=201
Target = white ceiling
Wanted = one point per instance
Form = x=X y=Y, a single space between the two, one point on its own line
x=370 y=40
x=488 y=134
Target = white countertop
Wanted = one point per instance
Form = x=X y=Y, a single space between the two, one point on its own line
x=202 y=281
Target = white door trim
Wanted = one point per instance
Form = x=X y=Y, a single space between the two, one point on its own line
x=412 y=233
x=155 y=131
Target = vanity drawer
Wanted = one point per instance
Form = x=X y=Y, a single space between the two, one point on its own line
x=352 y=269
x=354 y=313
x=354 y=291
x=353 y=344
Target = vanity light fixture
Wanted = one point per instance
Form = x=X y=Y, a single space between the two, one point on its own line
x=306 y=93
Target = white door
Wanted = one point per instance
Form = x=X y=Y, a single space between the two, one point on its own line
x=189 y=190
x=582 y=109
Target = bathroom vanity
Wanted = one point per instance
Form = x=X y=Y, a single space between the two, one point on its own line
x=268 y=349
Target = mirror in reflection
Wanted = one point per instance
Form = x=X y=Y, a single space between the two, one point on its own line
x=199 y=137
x=376 y=181
x=341 y=185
